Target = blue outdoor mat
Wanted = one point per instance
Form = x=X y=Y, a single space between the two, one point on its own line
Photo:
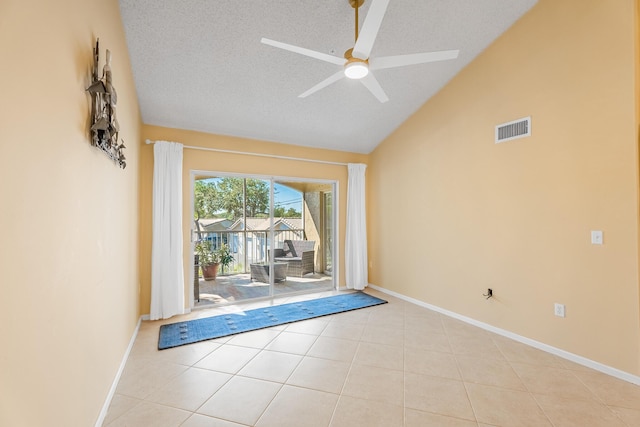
x=181 y=333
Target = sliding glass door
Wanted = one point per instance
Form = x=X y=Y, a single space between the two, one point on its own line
x=268 y=237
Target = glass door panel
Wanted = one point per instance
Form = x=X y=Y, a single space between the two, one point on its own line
x=299 y=232
x=231 y=224
x=257 y=211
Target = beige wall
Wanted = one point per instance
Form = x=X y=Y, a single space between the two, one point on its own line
x=68 y=251
x=230 y=163
x=516 y=217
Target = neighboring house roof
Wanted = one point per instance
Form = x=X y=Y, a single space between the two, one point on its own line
x=294 y=223
x=259 y=224
x=214 y=224
x=252 y=224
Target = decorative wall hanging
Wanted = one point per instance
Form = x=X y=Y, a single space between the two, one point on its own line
x=104 y=124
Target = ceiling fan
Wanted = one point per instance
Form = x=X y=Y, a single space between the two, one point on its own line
x=356 y=62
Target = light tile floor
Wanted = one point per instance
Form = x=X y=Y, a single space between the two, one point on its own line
x=396 y=364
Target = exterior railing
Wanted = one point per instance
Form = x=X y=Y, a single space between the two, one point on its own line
x=248 y=246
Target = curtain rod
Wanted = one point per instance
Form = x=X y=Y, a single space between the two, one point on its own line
x=245 y=153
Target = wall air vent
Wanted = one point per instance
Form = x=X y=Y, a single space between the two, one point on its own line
x=513 y=130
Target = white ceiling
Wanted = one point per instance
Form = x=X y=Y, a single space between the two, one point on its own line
x=199 y=64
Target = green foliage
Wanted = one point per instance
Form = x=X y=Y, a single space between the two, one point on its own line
x=205 y=195
x=225 y=197
x=257 y=198
x=224 y=256
x=207 y=255
x=280 y=212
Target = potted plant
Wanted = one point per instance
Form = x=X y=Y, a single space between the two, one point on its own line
x=208 y=259
x=224 y=256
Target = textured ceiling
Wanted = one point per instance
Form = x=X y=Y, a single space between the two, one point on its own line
x=199 y=64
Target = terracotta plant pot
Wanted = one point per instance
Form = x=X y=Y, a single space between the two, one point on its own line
x=210 y=271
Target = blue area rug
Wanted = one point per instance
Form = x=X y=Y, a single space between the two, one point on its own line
x=181 y=333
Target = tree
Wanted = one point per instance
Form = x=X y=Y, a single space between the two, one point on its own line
x=257 y=198
x=225 y=197
x=205 y=194
x=280 y=212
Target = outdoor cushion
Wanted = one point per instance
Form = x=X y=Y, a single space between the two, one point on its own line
x=299 y=254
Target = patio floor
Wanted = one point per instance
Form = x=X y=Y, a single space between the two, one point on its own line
x=240 y=287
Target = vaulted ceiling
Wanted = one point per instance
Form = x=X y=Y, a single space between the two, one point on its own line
x=200 y=65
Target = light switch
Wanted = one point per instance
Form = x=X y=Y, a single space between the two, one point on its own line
x=596 y=237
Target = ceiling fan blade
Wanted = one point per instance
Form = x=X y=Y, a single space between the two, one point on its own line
x=370 y=27
x=415 y=58
x=326 y=82
x=307 y=52
x=374 y=87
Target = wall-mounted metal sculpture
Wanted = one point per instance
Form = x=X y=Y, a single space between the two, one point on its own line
x=104 y=124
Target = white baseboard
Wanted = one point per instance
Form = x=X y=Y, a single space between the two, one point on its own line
x=148 y=315
x=114 y=385
x=614 y=372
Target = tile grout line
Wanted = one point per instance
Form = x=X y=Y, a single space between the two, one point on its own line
x=464 y=383
x=344 y=384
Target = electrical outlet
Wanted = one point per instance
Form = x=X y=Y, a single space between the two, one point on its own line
x=596 y=237
x=559 y=309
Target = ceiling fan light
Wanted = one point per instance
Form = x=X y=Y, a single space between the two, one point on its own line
x=356 y=70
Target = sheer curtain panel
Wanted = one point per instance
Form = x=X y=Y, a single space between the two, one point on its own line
x=356 y=240
x=167 y=275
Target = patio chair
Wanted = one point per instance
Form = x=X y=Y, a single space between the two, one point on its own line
x=299 y=255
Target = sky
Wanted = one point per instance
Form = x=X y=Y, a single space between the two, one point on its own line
x=286 y=197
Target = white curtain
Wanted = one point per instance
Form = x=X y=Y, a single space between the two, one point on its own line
x=356 y=239
x=167 y=275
